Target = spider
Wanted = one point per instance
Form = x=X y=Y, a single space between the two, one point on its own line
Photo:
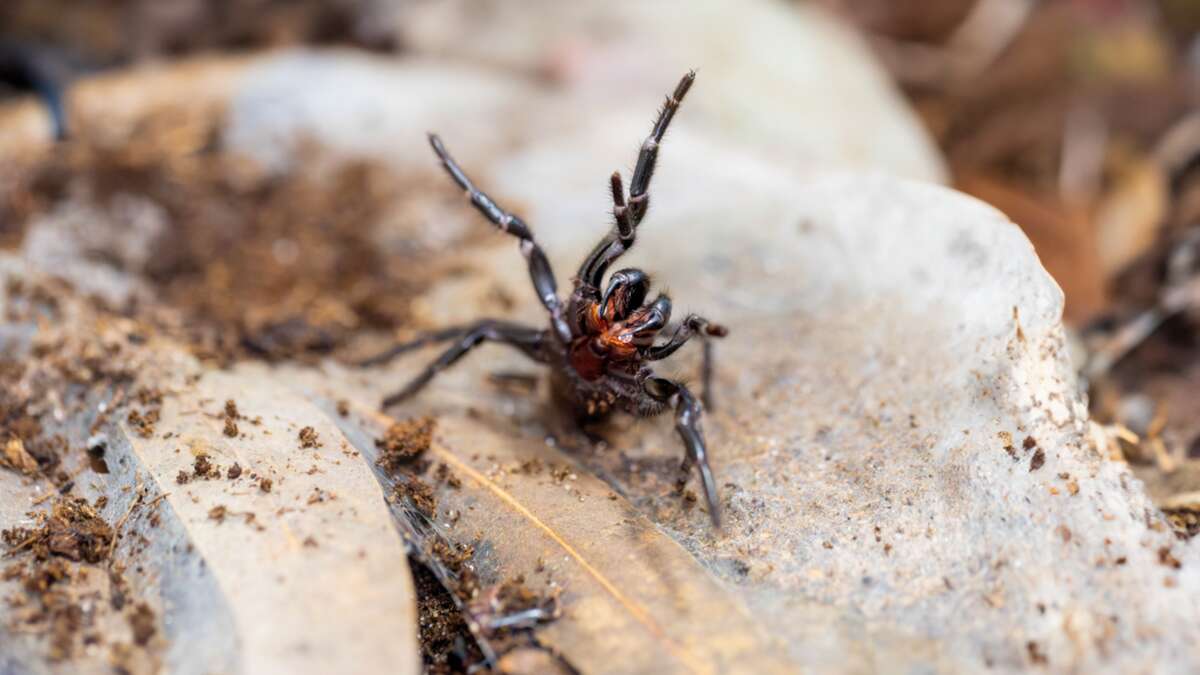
x=599 y=344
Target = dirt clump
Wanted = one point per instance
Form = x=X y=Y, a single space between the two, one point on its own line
x=309 y=438
x=401 y=450
x=218 y=513
x=405 y=441
x=446 y=477
x=447 y=645
x=203 y=468
x=143 y=624
x=410 y=487
x=512 y=606
x=72 y=529
x=47 y=605
x=143 y=424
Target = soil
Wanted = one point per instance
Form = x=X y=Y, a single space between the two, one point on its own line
x=404 y=442
x=62 y=564
x=447 y=645
x=309 y=438
x=251 y=264
x=98 y=35
x=72 y=529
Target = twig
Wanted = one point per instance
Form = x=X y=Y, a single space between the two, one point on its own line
x=112 y=545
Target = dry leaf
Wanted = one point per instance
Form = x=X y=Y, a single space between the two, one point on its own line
x=315 y=561
x=633 y=600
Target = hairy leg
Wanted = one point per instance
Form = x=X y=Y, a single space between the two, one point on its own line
x=693 y=326
x=629 y=214
x=539 y=266
x=529 y=340
x=427 y=338
x=687 y=424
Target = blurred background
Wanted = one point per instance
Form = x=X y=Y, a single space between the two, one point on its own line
x=1079 y=119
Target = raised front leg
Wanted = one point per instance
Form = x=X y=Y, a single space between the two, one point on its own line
x=628 y=215
x=687 y=423
x=693 y=325
x=539 y=266
x=529 y=340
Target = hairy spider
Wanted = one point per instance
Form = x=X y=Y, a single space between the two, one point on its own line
x=598 y=343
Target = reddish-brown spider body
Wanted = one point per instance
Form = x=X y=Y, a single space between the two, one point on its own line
x=600 y=343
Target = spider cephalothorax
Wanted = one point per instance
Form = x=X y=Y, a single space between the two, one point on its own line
x=598 y=344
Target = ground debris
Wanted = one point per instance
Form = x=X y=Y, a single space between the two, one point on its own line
x=202 y=467
x=72 y=529
x=308 y=438
x=512 y=606
x=446 y=477
x=218 y=513
x=416 y=491
x=143 y=423
x=143 y=623
x=14 y=456
x=447 y=645
x=405 y=441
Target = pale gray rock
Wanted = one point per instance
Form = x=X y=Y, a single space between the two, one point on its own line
x=908 y=470
x=787 y=79
x=890 y=342
x=289 y=563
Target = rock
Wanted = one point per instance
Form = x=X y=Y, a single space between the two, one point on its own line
x=382 y=109
x=908 y=469
x=786 y=79
x=299 y=577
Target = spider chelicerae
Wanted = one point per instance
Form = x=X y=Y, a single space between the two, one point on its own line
x=599 y=344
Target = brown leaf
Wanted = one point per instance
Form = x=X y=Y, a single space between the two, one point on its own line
x=1064 y=241
x=1131 y=212
x=631 y=594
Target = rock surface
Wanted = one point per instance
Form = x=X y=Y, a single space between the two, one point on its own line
x=253 y=552
x=908 y=468
x=783 y=78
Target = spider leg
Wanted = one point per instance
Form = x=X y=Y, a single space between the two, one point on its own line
x=528 y=340
x=687 y=423
x=427 y=338
x=539 y=266
x=629 y=214
x=693 y=326
x=639 y=200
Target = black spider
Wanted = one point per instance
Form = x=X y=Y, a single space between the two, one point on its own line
x=597 y=345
